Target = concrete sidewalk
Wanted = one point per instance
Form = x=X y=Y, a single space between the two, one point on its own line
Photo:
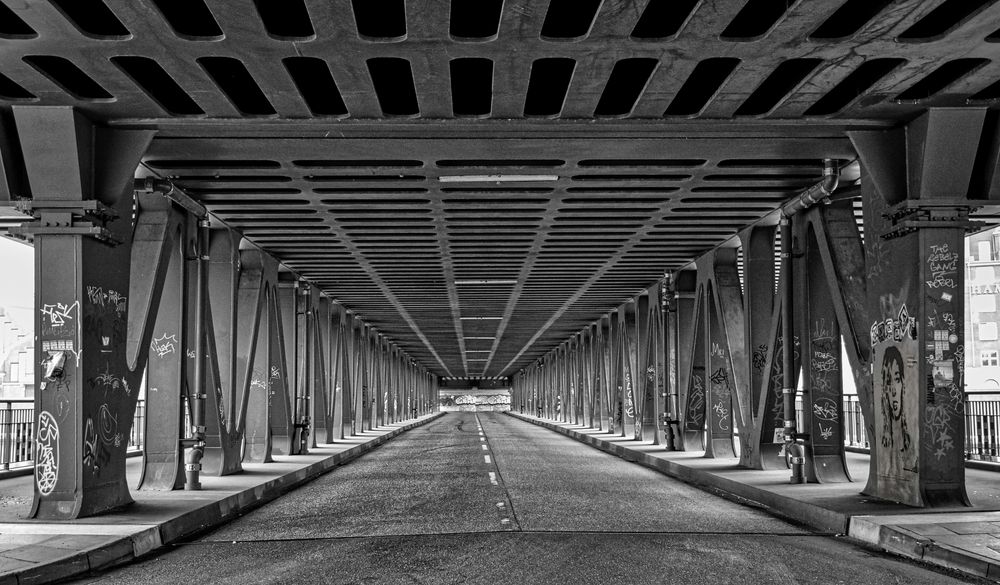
x=964 y=539
x=32 y=551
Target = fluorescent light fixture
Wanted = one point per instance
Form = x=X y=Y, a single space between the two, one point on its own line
x=498 y=178
x=478 y=351
x=481 y=318
x=477 y=360
x=488 y=338
x=485 y=281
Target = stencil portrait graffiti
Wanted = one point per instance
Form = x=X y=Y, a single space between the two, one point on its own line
x=895 y=429
x=896 y=379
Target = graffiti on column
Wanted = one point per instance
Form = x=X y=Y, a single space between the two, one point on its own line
x=944 y=354
x=274 y=380
x=258 y=382
x=824 y=365
x=942 y=263
x=47 y=453
x=759 y=359
x=721 y=390
x=163 y=345
x=104 y=311
x=90 y=447
x=696 y=403
x=895 y=364
x=59 y=317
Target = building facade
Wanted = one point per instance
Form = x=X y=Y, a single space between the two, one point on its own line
x=17 y=372
x=982 y=289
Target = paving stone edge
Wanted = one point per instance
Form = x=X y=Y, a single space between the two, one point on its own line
x=212 y=514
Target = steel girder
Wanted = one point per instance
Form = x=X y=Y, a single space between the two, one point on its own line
x=116 y=273
x=922 y=181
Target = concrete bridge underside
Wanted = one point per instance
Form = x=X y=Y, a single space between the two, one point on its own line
x=291 y=221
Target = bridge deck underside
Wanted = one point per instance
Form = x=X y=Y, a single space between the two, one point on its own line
x=342 y=139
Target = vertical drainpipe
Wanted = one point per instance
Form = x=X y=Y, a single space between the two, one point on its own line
x=671 y=336
x=303 y=307
x=192 y=461
x=794 y=447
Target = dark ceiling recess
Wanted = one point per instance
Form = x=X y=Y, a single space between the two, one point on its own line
x=93 y=18
x=473 y=163
x=232 y=77
x=171 y=164
x=755 y=19
x=642 y=163
x=190 y=19
x=12 y=91
x=315 y=83
x=941 y=78
x=548 y=85
x=625 y=84
x=853 y=86
x=703 y=83
x=785 y=78
x=157 y=83
x=478 y=20
x=285 y=19
x=12 y=26
x=849 y=18
x=988 y=94
x=943 y=19
x=68 y=76
x=569 y=19
x=663 y=18
x=770 y=163
x=393 y=82
x=587 y=212
x=471 y=86
x=357 y=164
x=380 y=20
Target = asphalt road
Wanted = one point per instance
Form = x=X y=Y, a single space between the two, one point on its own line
x=490 y=499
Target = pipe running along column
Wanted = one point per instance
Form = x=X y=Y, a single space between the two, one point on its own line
x=195 y=445
x=794 y=447
x=194 y=455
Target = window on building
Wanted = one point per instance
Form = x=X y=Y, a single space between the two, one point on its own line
x=984 y=303
x=15 y=372
x=987 y=331
x=985 y=251
x=983 y=275
x=989 y=358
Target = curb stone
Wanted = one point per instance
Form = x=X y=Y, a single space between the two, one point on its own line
x=134 y=546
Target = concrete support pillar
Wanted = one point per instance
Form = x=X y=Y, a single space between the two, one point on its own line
x=324 y=397
x=919 y=186
x=82 y=178
x=759 y=308
x=166 y=388
x=690 y=391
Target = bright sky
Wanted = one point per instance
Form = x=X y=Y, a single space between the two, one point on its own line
x=17 y=281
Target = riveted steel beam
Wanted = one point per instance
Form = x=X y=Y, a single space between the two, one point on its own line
x=86 y=393
x=921 y=185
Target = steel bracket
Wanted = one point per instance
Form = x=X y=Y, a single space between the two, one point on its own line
x=85 y=218
x=912 y=215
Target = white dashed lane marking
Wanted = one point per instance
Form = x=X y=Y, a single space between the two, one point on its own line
x=505 y=512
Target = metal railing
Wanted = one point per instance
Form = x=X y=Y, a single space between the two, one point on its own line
x=17 y=432
x=982 y=428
